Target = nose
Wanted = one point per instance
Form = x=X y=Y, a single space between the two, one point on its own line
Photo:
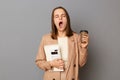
x=60 y=17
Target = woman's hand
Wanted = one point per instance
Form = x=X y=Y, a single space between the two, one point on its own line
x=58 y=63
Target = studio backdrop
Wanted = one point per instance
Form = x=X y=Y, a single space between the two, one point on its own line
x=24 y=22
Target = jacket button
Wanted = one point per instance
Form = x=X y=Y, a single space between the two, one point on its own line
x=53 y=78
x=74 y=65
x=73 y=79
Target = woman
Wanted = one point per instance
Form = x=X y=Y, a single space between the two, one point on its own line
x=76 y=52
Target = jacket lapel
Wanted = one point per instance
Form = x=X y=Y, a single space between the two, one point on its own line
x=71 y=47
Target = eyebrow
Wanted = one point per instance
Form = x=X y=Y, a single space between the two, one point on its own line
x=60 y=14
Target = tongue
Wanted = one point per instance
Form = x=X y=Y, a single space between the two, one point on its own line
x=60 y=24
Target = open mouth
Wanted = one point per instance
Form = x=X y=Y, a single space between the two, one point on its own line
x=60 y=23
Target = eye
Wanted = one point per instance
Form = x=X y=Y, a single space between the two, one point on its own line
x=56 y=16
x=63 y=15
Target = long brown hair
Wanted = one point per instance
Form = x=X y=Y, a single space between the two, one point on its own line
x=54 y=31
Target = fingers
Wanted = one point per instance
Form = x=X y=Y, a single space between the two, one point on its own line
x=84 y=40
x=61 y=62
x=58 y=63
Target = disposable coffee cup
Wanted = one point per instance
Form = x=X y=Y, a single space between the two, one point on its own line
x=83 y=33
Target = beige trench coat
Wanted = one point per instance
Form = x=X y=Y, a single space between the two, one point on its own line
x=77 y=57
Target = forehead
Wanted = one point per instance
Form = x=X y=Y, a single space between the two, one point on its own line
x=59 y=11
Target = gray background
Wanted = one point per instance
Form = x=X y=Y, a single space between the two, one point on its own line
x=23 y=22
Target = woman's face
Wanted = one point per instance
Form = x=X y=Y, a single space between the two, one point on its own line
x=60 y=20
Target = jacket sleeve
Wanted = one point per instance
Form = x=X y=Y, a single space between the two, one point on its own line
x=41 y=58
x=82 y=53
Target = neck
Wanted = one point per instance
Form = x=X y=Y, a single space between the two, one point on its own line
x=62 y=34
